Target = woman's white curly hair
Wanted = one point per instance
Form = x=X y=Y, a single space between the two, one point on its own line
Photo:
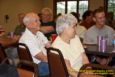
x=65 y=21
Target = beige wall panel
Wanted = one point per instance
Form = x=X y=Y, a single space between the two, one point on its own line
x=95 y=4
x=48 y=3
x=13 y=7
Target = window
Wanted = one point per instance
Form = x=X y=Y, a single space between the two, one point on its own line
x=61 y=7
x=68 y=6
x=72 y=6
x=83 y=6
x=111 y=6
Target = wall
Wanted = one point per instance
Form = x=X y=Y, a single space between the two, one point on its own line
x=48 y=3
x=95 y=4
x=13 y=7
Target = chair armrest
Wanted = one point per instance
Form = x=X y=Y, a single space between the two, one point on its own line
x=29 y=63
x=24 y=73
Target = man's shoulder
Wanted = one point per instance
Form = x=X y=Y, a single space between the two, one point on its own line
x=81 y=27
x=26 y=36
x=40 y=34
x=91 y=29
x=109 y=28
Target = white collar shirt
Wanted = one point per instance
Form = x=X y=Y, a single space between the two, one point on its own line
x=36 y=43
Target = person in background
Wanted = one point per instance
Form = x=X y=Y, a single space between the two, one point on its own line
x=59 y=14
x=15 y=36
x=40 y=15
x=2 y=31
x=114 y=24
x=77 y=15
x=109 y=19
x=36 y=42
x=69 y=44
x=80 y=30
x=19 y=28
x=87 y=19
x=99 y=29
x=47 y=23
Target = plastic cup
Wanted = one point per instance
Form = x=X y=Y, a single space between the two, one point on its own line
x=10 y=34
x=53 y=37
x=104 y=45
x=99 y=42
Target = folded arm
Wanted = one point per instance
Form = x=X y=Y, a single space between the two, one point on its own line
x=41 y=57
x=47 y=29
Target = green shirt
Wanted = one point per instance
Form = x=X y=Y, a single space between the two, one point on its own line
x=19 y=30
x=53 y=24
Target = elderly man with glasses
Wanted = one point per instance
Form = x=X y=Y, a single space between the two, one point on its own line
x=36 y=42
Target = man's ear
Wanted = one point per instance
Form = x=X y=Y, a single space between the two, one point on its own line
x=94 y=19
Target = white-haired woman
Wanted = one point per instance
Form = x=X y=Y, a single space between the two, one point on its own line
x=69 y=44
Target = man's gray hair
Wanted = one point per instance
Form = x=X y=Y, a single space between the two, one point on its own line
x=29 y=18
x=64 y=21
